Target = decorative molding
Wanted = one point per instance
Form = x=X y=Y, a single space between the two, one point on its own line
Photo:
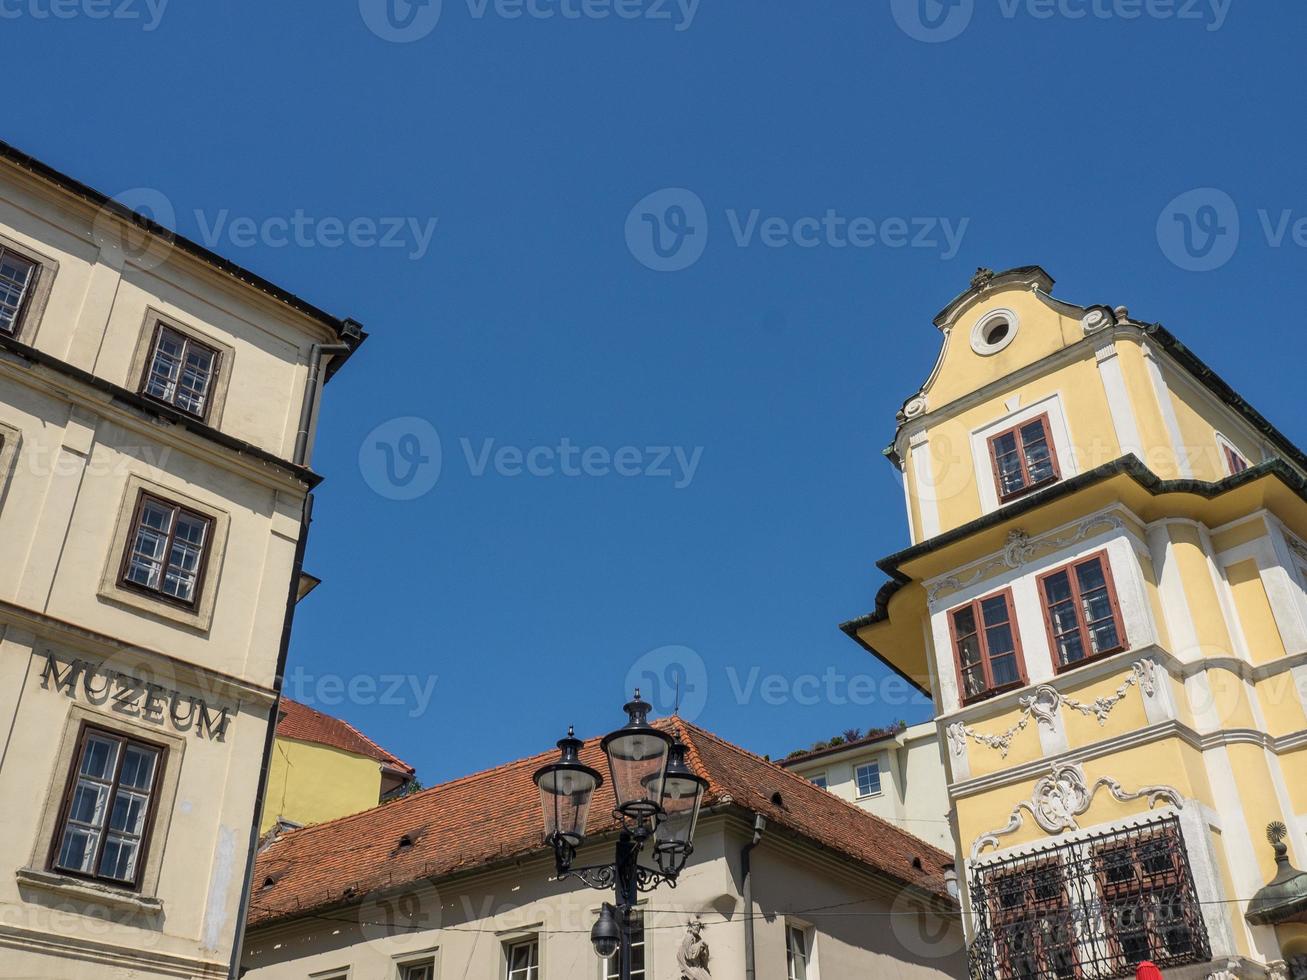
x=1019 y=550
x=1297 y=547
x=1045 y=703
x=1062 y=796
x=1094 y=321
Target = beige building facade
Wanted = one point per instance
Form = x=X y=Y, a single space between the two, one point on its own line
x=898 y=776
x=455 y=881
x=157 y=406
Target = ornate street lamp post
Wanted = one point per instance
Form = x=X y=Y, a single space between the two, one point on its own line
x=658 y=798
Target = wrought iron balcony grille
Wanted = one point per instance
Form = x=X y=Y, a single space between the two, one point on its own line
x=1089 y=909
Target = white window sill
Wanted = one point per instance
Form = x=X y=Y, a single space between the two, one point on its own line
x=870 y=796
x=88 y=891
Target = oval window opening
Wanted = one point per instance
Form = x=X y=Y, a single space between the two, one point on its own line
x=997 y=332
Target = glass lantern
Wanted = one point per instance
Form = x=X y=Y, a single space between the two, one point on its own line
x=566 y=788
x=637 y=762
x=683 y=791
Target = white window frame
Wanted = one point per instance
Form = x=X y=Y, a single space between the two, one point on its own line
x=807 y=935
x=427 y=963
x=1060 y=434
x=857 y=782
x=532 y=972
x=824 y=776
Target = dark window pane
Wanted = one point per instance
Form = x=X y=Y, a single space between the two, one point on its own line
x=1104 y=636
x=1005 y=670
x=1070 y=649
x=994 y=610
x=969 y=650
x=1000 y=640
x=1057 y=587
x=964 y=621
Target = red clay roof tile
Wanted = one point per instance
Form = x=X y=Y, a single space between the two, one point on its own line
x=301 y=723
x=493 y=815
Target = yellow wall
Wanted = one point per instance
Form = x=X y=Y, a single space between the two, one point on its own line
x=1204 y=604
x=1153 y=432
x=1281 y=706
x=310 y=784
x=1260 y=631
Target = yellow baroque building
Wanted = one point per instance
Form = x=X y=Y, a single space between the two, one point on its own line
x=1106 y=599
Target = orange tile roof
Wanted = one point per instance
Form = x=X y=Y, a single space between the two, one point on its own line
x=301 y=723
x=495 y=815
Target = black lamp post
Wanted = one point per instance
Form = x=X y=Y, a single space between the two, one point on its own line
x=658 y=799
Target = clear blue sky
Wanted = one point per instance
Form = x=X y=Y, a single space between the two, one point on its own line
x=530 y=319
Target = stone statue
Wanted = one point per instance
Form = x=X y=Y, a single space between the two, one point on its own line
x=693 y=954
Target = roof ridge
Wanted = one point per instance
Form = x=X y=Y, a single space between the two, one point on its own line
x=852 y=807
x=380 y=749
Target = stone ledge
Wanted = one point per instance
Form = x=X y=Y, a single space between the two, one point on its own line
x=70 y=887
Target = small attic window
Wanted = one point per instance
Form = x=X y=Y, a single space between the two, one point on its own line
x=993 y=332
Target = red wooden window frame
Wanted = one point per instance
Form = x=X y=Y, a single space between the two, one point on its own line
x=147 y=833
x=1077 y=600
x=1026 y=485
x=1119 y=895
x=1036 y=913
x=1235 y=461
x=976 y=607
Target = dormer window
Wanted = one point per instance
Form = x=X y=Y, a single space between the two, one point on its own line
x=1023 y=459
x=1235 y=461
x=180 y=372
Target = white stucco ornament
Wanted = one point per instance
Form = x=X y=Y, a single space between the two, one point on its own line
x=1094 y=321
x=1064 y=795
x=1046 y=701
x=693 y=954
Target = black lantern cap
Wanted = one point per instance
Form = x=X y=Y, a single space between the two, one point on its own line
x=678 y=767
x=569 y=760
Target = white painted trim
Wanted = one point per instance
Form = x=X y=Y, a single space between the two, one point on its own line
x=1118 y=400
x=914 y=533
x=927 y=505
x=983 y=347
x=1224 y=596
x=1167 y=408
x=1235 y=834
x=1063 y=447
x=1175 y=602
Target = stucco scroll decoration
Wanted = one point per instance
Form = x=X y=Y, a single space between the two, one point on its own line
x=1044 y=703
x=1021 y=549
x=1064 y=795
x=1094 y=321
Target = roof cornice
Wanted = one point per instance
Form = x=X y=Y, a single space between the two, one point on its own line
x=347 y=331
